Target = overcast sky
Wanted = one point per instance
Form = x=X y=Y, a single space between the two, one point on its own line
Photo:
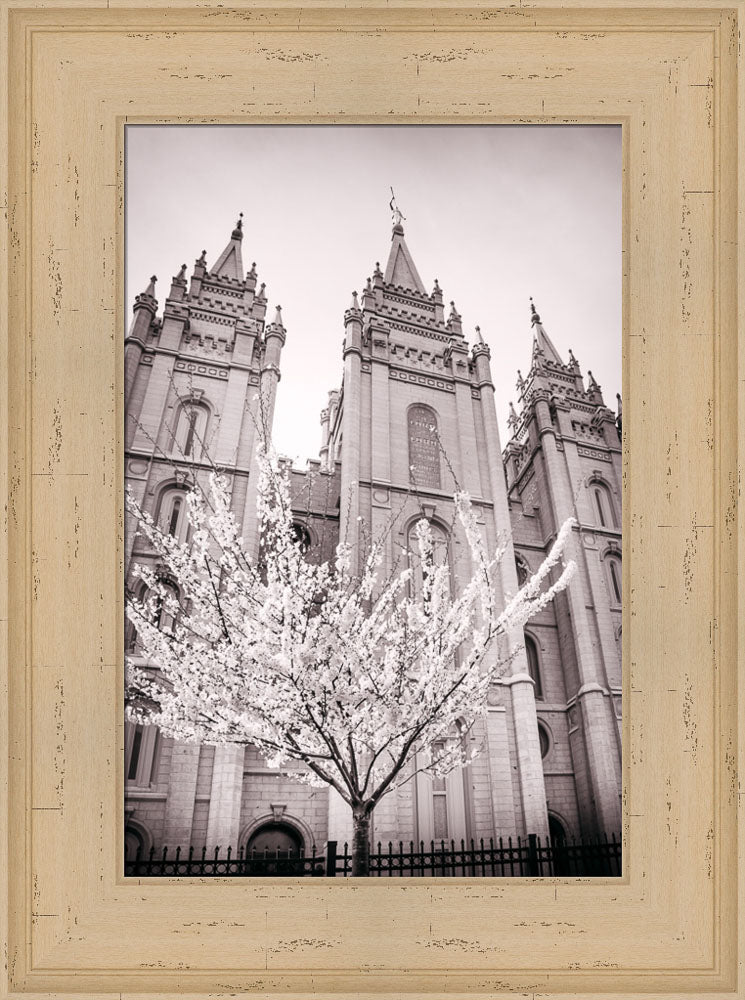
x=495 y=213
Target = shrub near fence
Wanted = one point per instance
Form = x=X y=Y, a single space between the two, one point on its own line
x=523 y=857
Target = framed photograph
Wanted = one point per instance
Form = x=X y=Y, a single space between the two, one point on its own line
x=372 y=576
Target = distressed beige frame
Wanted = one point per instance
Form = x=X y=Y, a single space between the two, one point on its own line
x=75 y=73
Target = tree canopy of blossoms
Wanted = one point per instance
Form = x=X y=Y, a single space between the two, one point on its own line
x=347 y=675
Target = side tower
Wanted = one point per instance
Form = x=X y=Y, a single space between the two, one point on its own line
x=199 y=382
x=416 y=420
x=564 y=460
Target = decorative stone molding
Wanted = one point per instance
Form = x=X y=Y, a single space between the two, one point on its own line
x=434 y=383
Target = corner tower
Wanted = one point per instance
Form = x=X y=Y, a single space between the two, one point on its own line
x=201 y=379
x=564 y=460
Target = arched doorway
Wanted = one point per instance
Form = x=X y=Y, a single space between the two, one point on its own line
x=558 y=834
x=556 y=830
x=275 y=840
x=134 y=842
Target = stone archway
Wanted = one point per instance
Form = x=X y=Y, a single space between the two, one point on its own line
x=275 y=840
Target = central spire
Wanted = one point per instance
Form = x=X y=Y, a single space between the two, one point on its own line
x=401 y=269
x=543 y=348
x=230 y=263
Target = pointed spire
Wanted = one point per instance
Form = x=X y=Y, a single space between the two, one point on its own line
x=534 y=317
x=277 y=321
x=478 y=334
x=512 y=419
x=401 y=269
x=454 y=321
x=230 y=263
x=146 y=300
x=520 y=384
x=354 y=304
x=543 y=349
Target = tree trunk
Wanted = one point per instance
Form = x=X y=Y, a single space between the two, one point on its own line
x=361 y=843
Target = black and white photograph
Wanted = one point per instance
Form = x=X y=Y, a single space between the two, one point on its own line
x=373 y=472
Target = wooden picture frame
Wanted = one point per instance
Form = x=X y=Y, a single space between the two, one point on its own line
x=75 y=73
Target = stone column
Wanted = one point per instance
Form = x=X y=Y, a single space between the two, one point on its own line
x=223 y=821
x=182 y=788
x=503 y=804
x=529 y=760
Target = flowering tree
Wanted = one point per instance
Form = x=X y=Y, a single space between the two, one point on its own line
x=345 y=675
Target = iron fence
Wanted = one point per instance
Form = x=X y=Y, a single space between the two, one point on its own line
x=200 y=863
x=526 y=856
x=521 y=857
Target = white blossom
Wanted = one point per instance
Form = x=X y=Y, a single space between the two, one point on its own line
x=351 y=680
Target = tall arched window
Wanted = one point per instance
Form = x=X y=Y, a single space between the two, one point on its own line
x=602 y=504
x=301 y=536
x=140 y=754
x=440 y=545
x=191 y=429
x=544 y=740
x=424 y=447
x=172 y=517
x=160 y=608
x=613 y=570
x=534 y=669
x=439 y=798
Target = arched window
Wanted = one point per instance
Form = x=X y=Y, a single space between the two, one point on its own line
x=602 y=504
x=613 y=570
x=439 y=798
x=172 y=514
x=440 y=545
x=160 y=608
x=523 y=572
x=531 y=652
x=140 y=754
x=191 y=429
x=301 y=536
x=424 y=447
x=544 y=739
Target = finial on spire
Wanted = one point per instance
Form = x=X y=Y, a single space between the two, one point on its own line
x=512 y=419
x=520 y=384
x=237 y=233
x=203 y=258
x=534 y=317
x=398 y=215
x=182 y=272
x=354 y=304
x=478 y=334
x=150 y=290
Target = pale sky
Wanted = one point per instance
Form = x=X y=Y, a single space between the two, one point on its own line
x=496 y=213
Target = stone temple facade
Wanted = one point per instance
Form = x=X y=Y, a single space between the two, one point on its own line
x=415 y=414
